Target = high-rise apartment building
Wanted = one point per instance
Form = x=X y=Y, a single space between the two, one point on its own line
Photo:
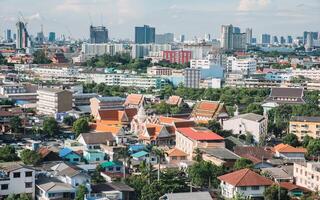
x=227 y=37
x=282 y=40
x=52 y=101
x=98 y=34
x=22 y=36
x=289 y=39
x=239 y=41
x=52 y=37
x=145 y=34
x=275 y=40
x=236 y=30
x=309 y=42
x=8 y=35
x=305 y=126
x=182 y=38
x=165 y=38
x=265 y=39
x=191 y=77
x=314 y=36
x=249 y=35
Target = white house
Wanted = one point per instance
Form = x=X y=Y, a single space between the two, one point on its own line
x=16 y=178
x=55 y=190
x=94 y=140
x=244 y=182
x=247 y=123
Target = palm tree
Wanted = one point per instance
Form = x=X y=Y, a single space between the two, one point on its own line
x=160 y=153
x=125 y=156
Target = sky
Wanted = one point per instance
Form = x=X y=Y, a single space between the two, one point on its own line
x=189 y=17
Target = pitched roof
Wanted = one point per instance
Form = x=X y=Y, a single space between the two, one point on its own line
x=255 y=154
x=250 y=117
x=245 y=177
x=12 y=166
x=199 y=133
x=221 y=153
x=119 y=115
x=97 y=137
x=134 y=99
x=185 y=123
x=286 y=92
x=286 y=148
x=290 y=186
x=139 y=154
x=188 y=195
x=208 y=109
x=55 y=187
x=176 y=152
x=305 y=119
x=169 y=120
x=65 y=151
x=110 y=164
x=174 y=100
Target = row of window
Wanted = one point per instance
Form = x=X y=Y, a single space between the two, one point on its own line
x=18 y=174
x=6 y=186
x=252 y=188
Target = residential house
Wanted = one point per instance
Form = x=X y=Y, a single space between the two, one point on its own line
x=16 y=178
x=307 y=174
x=157 y=134
x=134 y=101
x=112 y=190
x=69 y=155
x=93 y=155
x=288 y=152
x=141 y=156
x=279 y=174
x=294 y=191
x=204 y=111
x=101 y=103
x=112 y=169
x=187 y=195
x=259 y=156
x=48 y=155
x=190 y=138
x=51 y=189
x=244 y=182
x=220 y=156
x=174 y=100
x=248 y=123
x=175 y=156
x=95 y=139
x=302 y=126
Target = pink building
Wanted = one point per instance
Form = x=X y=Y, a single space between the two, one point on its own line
x=177 y=56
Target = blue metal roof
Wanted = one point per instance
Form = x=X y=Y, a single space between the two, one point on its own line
x=139 y=154
x=65 y=151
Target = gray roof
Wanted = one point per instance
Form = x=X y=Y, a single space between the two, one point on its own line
x=221 y=153
x=110 y=99
x=97 y=137
x=279 y=172
x=286 y=92
x=187 y=195
x=53 y=185
x=305 y=119
x=250 y=116
x=12 y=166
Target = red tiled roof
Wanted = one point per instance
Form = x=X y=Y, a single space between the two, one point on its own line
x=134 y=99
x=174 y=100
x=131 y=112
x=176 y=152
x=245 y=177
x=290 y=186
x=286 y=148
x=169 y=120
x=199 y=133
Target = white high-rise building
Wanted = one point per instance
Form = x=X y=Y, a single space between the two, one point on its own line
x=249 y=35
x=244 y=65
x=309 y=42
x=227 y=37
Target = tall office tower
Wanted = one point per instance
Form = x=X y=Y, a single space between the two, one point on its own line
x=265 y=39
x=165 y=38
x=52 y=37
x=275 y=40
x=22 y=36
x=98 y=34
x=227 y=37
x=309 y=42
x=249 y=35
x=182 y=38
x=314 y=36
x=8 y=37
x=239 y=41
x=14 y=36
x=145 y=34
x=40 y=38
x=289 y=39
x=207 y=37
x=236 y=30
x=254 y=41
x=282 y=40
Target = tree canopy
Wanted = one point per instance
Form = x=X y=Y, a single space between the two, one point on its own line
x=81 y=125
x=50 y=126
x=15 y=124
x=291 y=139
x=39 y=57
x=8 y=154
x=30 y=157
x=272 y=193
x=242 y=163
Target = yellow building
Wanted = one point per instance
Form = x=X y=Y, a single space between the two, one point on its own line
x=302 y=126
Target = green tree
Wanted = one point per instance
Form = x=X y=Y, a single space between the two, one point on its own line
x=254 y=108
x=197 y=155
x=50 y=126
x=69 y=120
x=125 y=156
x=30 y=157
x=239 y=196
x=153 y=191
x=81 y=192
x=306 y=141
x=23 y=196
x=15 y=124
x=39 y=57
x=81 y=125
x=242 y=163
x=160 y=153
x=249 y=138
x=3 y=60
x=96 y=176
x=204 y=174
x=313 y=148
x=272 y=193
x=8 y=154
x=214 y=126
x=291 y=139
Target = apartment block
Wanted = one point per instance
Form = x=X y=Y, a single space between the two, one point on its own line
x=302 y=126
x=52 y=101
x=307 y=174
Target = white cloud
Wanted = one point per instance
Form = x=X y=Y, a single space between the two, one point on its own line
x=35 y=16
x=252 y=5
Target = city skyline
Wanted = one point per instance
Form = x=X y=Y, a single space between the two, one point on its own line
x=283 y=17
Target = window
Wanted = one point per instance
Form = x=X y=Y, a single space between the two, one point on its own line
x=110 y=168
x=255 y=188
x=174 y=157
x=118 y=168
x=4 y=186
x=51 y=194
x=28 y=174
x=76 y=159
x=243 y=188
x=16 y=175
x=28 y=184
x=97 y=159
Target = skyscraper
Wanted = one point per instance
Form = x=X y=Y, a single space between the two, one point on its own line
x=236 y=30
x=165 y=38
x=289 y=39
x=265 y=38
x=145 y=34
x=282 y=40
x=309 y=42
x=314 y=36
x=98 y=34
x=249 y=35
x=182 y=38
x=8 y=35
x=22 y=36
x=227 y=37
x=52 y=37
x=275 y=40
x=239 y=41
